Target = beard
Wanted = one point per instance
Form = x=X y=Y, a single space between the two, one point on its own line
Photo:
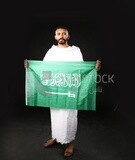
x=62 y=41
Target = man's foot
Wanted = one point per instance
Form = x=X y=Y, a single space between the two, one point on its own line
x=69 y=150
x=49 y=142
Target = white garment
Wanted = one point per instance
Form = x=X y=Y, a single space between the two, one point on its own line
x=63 y=121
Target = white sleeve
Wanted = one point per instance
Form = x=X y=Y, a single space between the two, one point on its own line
x=47 y=55
x=79 y=56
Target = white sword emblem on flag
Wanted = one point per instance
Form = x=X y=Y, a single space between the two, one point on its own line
x=60 y=93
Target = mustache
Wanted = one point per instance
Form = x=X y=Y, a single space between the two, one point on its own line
x=61 y=39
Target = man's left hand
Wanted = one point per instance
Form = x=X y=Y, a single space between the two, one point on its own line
x=98 y=65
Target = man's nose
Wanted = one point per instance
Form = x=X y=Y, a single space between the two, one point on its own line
x=61 y=36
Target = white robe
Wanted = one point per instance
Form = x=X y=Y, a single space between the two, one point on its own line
x=63 y=121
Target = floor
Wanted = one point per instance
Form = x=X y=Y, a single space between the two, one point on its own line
x=101 y=135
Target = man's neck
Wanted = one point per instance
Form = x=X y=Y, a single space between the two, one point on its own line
x=63 y=45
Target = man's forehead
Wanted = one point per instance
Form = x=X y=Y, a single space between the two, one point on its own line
x=60 y=30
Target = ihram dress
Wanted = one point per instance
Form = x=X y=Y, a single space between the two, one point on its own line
x=63 y=121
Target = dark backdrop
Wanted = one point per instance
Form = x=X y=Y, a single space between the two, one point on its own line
x=103 y=30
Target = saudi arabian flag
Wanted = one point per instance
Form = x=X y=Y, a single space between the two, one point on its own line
x=69 y=85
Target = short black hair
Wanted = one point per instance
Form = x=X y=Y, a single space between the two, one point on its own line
x=62 y=27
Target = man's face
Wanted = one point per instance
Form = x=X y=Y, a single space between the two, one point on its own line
x=62 y=36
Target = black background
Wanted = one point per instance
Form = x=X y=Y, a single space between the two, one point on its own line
x=103 y=30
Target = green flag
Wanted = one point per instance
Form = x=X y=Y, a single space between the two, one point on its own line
x=69 y=85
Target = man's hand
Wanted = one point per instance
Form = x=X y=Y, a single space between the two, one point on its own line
x=98 y=65
x=26 y=65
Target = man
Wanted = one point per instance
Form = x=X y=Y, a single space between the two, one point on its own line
x=63 y=121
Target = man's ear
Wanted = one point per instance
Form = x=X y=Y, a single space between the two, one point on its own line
x=55 y=36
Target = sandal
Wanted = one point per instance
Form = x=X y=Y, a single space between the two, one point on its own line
x=49 y=142
x=69 y=150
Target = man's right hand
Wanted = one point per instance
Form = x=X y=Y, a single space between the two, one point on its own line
x=26 y=65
